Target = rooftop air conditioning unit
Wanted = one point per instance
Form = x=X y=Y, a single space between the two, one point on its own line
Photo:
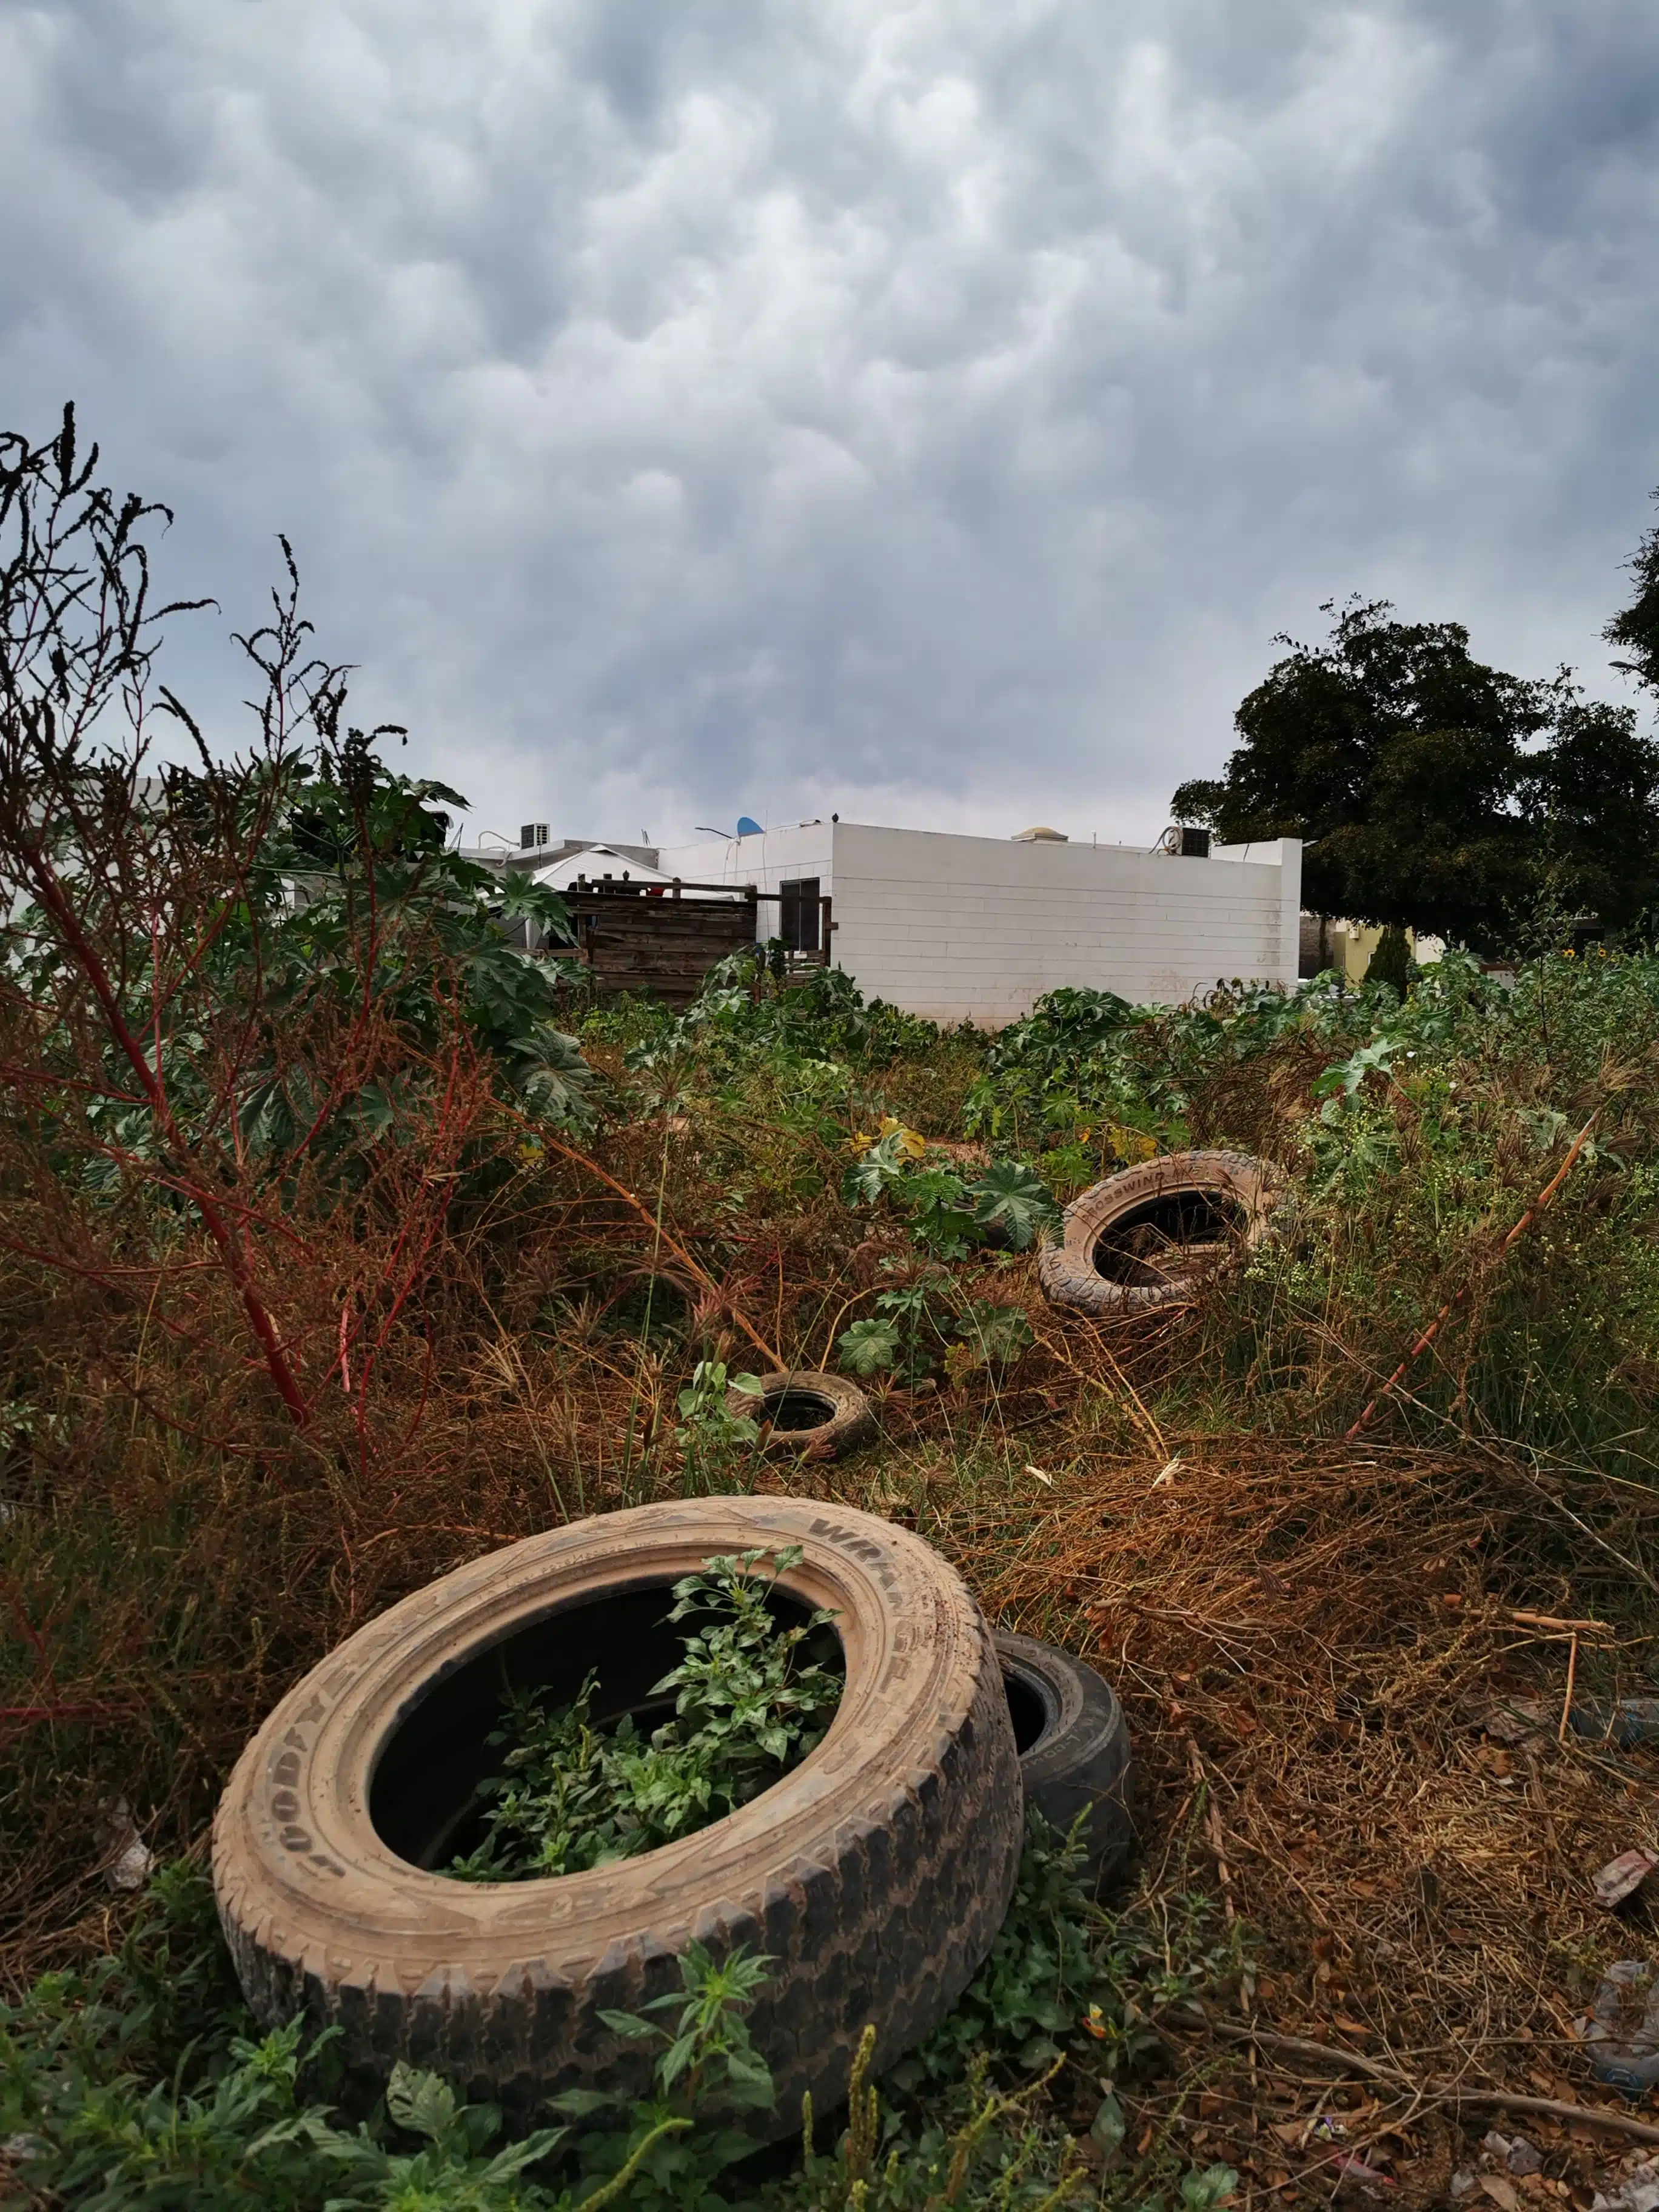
x=532 y=836
x=1185 y=841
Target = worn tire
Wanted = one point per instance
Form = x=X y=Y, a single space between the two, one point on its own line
x=875 y=1874
x=1074 y=1750
x=1155 y=1200
x=845 y=1419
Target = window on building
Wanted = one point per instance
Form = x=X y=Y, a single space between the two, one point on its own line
x=798 y=924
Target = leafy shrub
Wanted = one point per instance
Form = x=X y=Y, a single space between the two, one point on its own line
x=105 y=2108
x=950 y=1213
x=138 y=2088
x=571 y=1796
x=913 y=1325
x=1045 y=1966
x=712 y=1438
x=743 y=1011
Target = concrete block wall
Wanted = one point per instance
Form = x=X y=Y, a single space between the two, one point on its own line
x=978 y=928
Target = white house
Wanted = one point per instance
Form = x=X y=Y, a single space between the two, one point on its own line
x=598 y=864
x=978 y=928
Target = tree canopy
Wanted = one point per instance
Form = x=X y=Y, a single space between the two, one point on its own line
x=1435 y=793
x=1636 y=627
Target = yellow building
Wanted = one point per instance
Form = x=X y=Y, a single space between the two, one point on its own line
x=1347 y=946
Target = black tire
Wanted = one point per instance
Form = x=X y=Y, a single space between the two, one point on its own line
x=875 y=1874
x=808 y=1411
x=1074 y=1750
x=1145 y=1237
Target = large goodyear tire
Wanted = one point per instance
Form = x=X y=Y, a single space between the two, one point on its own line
x=1074 y=1751
x=875 y=1874
x=824 y=1414
x=1144 y=1237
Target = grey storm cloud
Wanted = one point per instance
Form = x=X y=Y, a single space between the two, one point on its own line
x=929 y=410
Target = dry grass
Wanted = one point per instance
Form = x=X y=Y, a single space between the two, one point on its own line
x=1293 y=1628
x=1296 y=1634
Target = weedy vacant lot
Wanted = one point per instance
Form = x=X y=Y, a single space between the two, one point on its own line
x=341 y=1243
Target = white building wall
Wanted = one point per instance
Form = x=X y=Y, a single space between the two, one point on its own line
x=978 y=928
x=772 y=858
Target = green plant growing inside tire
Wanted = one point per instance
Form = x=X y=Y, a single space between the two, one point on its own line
x=750 y=1705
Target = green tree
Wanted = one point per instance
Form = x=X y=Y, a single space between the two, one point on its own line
x=1435 y=793
x=1636 y=627
x=1391 y=963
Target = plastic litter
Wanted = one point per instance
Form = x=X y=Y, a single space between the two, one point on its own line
x=131 y=1859
x=1638 y=2192
x=1519 y=2156
x=1622 y=1877
x=1620 y=2032
x=1623 y=1721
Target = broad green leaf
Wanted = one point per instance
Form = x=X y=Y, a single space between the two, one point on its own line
x=868 y=1347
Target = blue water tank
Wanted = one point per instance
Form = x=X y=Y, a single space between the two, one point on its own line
x=748 y=827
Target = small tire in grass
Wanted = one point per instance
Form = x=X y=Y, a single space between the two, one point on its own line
x=1074 y=1750
x=874 y=1875
x=1144 y=1237
x=807 y=1411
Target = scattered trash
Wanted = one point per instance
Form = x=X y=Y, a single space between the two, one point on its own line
x=1039 y=1473
x=1625 y=1722
x=1510 y=1720
x=1621 y=2031
x=1355 y=2169
x=1463 y=2183
x=1519 y=2156
x=1166 y=1475
x=1622 y=1877
x=130 y=1858
x=1628 y=1721
x=1638 y=2192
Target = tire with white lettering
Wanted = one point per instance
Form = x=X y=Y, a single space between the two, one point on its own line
x=1145 y=1237
x=1075 y=1752
x=874 y=1875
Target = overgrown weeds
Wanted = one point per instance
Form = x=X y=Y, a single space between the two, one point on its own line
x=344 y=1238
x=138 y=2083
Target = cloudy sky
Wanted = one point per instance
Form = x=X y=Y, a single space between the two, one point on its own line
x=928 y=410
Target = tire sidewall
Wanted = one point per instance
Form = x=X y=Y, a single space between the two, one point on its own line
x=319 y=1911
x=851 y=1422
x=1065 y=1268
x=1084 y=1757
